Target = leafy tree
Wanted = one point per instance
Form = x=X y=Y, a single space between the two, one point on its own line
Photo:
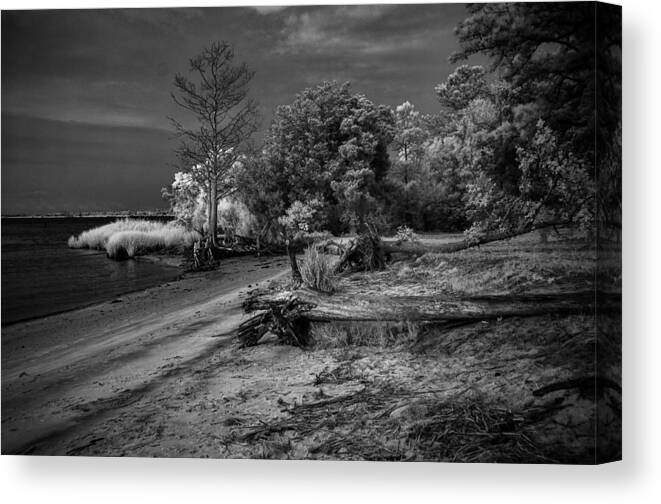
x=224 y=116
x=261 y=186
x=530 y=130
x=236 y=219
x=408 y=143
x=545 y=52
x=553 y=188
x=410 y=134
x=461 y=87
x=442 y=195
x=187 y=201
x=558 y=60
x=457 y=146
x=330 y=145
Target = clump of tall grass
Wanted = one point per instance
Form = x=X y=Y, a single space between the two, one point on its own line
x=317 y=271
x=131 y=237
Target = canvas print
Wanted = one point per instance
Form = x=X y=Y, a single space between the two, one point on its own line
x=363 y=232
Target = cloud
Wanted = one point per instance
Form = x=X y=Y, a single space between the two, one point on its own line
x=358 y=30
x=113 y=69
x=265 y=10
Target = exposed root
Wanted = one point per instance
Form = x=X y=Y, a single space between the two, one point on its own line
x=282 y=319
x=364 y=253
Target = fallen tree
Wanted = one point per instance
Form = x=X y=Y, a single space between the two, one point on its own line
x=368 y=252
x=417 y=248
x=288 y=314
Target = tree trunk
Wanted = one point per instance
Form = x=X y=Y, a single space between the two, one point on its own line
x=420 y=249
x=353 y=306
x=296 y=277
x=213 y=215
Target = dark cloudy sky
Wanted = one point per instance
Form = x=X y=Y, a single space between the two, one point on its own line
x=86 y=94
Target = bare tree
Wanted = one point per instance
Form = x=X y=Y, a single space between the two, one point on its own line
x=216 y=93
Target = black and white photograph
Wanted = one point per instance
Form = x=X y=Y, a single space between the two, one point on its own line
x=373 y=232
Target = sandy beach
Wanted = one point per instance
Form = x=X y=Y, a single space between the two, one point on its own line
x=161 y=373
x=64 y=374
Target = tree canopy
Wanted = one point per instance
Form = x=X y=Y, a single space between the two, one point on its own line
x=551 y=64
x=515 y=144
x=330 y=146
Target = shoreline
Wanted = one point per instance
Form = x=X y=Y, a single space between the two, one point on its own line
x=174 y=262
x=59 y=369
x=91 y=216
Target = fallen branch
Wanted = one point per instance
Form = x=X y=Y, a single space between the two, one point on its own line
x=327 y=402
x=418 y=249
x=593 y=383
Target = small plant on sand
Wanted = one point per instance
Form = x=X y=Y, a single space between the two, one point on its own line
x=406 y=234
x=317 y=271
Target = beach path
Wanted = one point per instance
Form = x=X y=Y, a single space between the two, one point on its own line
x=63 y=373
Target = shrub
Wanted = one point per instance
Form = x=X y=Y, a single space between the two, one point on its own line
x=236 y=219
x=317 y=271
x=406 y=234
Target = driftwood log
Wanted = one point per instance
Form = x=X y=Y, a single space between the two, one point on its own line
x=289 y=313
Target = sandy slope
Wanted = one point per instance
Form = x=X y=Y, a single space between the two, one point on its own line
x=63 y=373
x=159 y=374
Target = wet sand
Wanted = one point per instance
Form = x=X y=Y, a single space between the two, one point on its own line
x=63 y=373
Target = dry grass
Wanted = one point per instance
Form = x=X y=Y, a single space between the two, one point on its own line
x=464 y=395
x=513 y=266
x=317 y=271
x=376 y=334
x=131 y=237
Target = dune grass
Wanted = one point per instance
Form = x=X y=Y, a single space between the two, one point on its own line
x=132 y=237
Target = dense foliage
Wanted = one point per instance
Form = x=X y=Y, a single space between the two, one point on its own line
x=515 y=145
x=555 y=64
x=328 y=146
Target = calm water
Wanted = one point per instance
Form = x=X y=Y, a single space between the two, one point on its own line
x=41 y=275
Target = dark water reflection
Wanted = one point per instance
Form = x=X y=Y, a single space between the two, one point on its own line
x=41 y=275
